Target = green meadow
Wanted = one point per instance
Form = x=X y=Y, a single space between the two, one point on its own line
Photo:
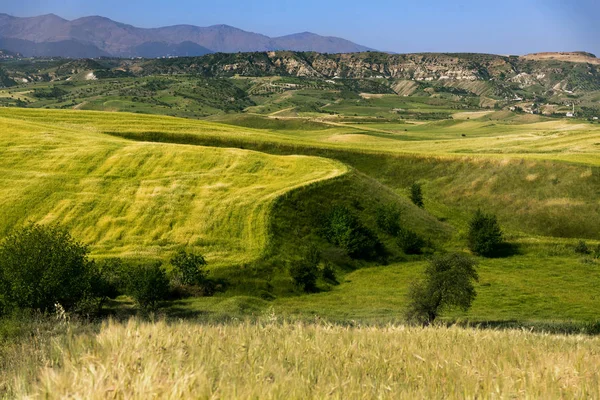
x=248 y=191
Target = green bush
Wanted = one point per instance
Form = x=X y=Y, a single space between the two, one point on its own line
x=410 y=242
x=305 y=271
x=148 y=285
x=485 y=236
x=328 y=273
x=108 y=280
x=416 y=195
x=191 y=268
x=346 y=231
x=448 y=283
x=41 y=266
x=388 y=219
x=582 y=248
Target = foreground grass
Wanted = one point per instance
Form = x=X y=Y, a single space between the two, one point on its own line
x=267 y=360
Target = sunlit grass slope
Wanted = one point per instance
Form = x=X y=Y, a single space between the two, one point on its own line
x=490 y=136
x=299 y=361
x=142 y=200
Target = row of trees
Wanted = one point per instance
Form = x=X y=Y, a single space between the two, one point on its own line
x=44 y=266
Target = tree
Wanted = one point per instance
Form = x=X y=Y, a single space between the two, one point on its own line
x=448 y=283
x=345 y=230
x=305 y=271
x=148 y=285
x=485 y=236
x=190 y=267
x=410 y=242
x=41 y=266
x=416 y=195
x=388 y=219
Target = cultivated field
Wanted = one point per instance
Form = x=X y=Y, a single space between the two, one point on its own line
x=270 y=360
x=143 y=200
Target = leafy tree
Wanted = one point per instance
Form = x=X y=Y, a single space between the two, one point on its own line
x=345 y=230
x=388 y=219
x=448 y=283
x=416 y=195
x=190 y=267
x=148 y=285
x=410 y=242
x=41 y=266
x=485 y=236
x=305 y=271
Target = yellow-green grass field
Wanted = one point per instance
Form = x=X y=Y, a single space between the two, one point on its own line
x=142 y=200
x=498 y=135
x=271 y=360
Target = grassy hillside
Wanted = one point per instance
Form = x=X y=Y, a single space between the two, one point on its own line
x=304 y=361
x=143 y=200
x=209 y=200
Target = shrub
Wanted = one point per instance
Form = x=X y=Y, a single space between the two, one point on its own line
x=328 y=273
x=41 y=266
x=597 y=251
x=416 y=195
x=448 y=283
x=107 y=281
x=388 y=219
x=305 y=271
x=148 y=285
x=485 y=235
x=346 y=231
x=582 y=248
x=410 y=242
x=191 y=268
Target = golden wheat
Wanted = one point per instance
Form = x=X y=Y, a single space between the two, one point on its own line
x=269 y=360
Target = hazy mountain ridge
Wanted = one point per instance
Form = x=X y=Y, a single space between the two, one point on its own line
x=99 y=36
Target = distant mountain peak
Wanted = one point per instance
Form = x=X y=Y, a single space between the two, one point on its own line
x=117 y=39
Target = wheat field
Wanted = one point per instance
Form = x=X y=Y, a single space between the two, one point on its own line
x=274 y=360
x=144 y=200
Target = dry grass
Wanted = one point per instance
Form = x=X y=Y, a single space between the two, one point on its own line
x=300 y=361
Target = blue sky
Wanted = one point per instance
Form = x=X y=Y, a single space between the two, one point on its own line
x=501 y=27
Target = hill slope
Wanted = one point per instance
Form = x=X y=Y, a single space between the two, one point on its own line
x=144 y=200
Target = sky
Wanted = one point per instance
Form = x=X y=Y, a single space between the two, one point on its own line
x=500 y=27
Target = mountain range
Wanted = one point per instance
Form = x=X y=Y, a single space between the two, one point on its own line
x=91 y=37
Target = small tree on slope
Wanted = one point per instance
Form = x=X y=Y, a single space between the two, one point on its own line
x=485 y=235
x=448 y=283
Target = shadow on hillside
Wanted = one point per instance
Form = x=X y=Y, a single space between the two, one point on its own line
x=506 y=250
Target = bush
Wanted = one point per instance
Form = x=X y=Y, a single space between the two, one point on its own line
x=597 y=251
x=448 y=283
x=388 y=219
x=107 y=281
x=346 y=231
x=416 y=195
x=485 y=236
x=305 y=272
x=191 y=268
x=582 y=248
x=328 y=274
x=148 y=285
x=410 y=242
x=41 y=266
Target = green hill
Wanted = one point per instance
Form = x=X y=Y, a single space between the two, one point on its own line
x=143 y=200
